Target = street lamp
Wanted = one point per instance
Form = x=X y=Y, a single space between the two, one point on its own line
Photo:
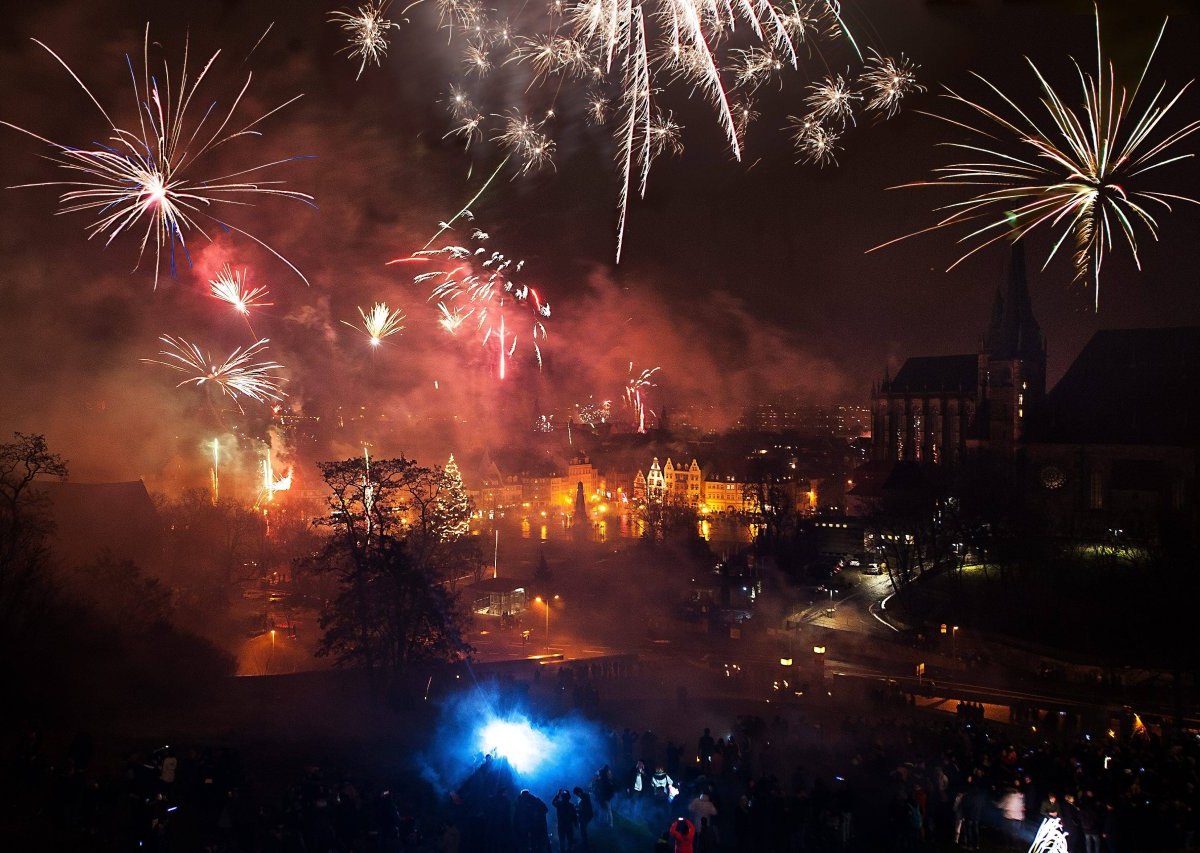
x=954 y=642
x=545 y=602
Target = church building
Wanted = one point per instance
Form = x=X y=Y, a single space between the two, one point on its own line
x=937 y=408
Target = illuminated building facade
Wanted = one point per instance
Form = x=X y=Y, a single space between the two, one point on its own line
x=724 y=493
x=937 y=408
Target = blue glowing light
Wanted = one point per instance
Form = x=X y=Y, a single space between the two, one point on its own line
x=524 y=746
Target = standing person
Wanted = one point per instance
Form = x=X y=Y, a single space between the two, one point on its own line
x=717 y=759
x=972 y=813
x=566 y=818
x=1050 y=807
x=1072 y=822
x=707 y=838
x=584 y=812
x=605 y=789
x=1012 y=806
x=1089 y=820
x=684 y=834
x=661 y=785
x=959 y=809
x=702 y=809
x=529 y=819
x=705 y=750
x=639 y=789
x=1110 y=829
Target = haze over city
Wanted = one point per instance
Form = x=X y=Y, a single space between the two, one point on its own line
x=736 y=426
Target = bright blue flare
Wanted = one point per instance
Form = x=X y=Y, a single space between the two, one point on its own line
x=516 y=740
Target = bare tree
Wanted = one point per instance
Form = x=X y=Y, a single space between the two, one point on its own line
x=216 y=545
x=24 y=523
x=389 y=610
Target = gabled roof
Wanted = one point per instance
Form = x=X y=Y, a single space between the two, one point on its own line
x=928 y=374
x=1128 y=386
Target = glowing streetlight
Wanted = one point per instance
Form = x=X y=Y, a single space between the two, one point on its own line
x=545 y=602
x=819 y=665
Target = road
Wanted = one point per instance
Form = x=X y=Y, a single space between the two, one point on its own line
x=617 y=602
x=858 y=612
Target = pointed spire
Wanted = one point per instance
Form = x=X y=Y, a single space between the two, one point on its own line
x=1014 y=332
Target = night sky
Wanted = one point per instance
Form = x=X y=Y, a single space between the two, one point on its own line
x=741 y=280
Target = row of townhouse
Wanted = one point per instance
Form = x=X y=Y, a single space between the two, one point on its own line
x=551 y=493
x=712 y=491
x=704 y=488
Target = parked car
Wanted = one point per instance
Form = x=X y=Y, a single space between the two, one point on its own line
x=873 y=568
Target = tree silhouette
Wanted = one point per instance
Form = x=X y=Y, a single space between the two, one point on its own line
x=390 y=610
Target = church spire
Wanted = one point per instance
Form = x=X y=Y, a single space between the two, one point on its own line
x=1014 y=331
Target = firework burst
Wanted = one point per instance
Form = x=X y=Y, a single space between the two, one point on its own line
x=144 y=178
x=367 y=29
x=889 y=81
x=1078 y=172
x=634 y=389
x=815 y=143
x=523 y=138
x=627 y=52
x=482 y=285
x=380 y=322
x=230 y=286
x=832 y=100
x=238 y=375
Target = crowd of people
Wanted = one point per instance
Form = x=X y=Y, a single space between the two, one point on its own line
x=805 y=780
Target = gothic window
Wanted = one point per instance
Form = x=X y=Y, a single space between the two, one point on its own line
x=1052 y=477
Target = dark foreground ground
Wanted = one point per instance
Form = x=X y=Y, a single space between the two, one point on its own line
x=308 y=763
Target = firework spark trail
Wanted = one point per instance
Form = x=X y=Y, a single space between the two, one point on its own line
x=633 y=394
x=237 y=376
x=480 y=283
x=368 y=492
x=637 y=116
x=144 y=176
x=367 y=30
x=1084 y=185
x=269 y=484
x=630 y=44
x=216 y=471
x=1050 y=837
x=230 y=287
x=689 y=49
x=380 y=322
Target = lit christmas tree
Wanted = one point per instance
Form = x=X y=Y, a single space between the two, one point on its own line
x=455 y=506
